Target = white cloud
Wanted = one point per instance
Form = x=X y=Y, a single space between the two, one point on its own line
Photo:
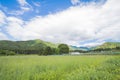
x=74 y=2
x=72 y=26
x=93 y=44
x=3 y=36
x=2 y=18
x=22 y=2
x=3 y=8
x=15 y=28
x=36 y=4
x=17 y=12
x=25 y=7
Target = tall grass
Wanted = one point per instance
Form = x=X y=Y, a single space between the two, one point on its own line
x=59 y=67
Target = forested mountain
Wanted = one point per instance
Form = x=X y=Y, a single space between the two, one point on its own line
x=47 y=48
x=31 y=44
x=105 y=46
x=29 y=47
x=109 y=45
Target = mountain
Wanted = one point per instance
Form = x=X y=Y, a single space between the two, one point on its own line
x=109 y=45
x=79 y=48
x=38 y=41
x=24 y=44
x=30 y=46
x=35 y=46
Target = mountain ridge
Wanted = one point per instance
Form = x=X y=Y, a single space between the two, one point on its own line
x=36 y=43
x=109 y=45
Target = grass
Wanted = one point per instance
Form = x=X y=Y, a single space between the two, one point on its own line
x=33 y=67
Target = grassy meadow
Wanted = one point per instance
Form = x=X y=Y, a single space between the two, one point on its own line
x=86 y=67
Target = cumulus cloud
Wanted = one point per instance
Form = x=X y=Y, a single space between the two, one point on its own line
x=72 y=26
x=15 y=28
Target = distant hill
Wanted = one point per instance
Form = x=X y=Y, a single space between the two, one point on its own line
x=35 y=46
x=24 y=44
x=30 y=46
x=79 y=48
x=109 y=45
x=37 y=41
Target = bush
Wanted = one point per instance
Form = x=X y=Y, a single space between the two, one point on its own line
x=2 y=52
x=7 y=52
x=63 y=48
x=10 y=53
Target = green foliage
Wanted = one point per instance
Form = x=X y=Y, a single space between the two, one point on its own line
x=59 y=67
x=63 y=48
x=10 y=53
x=2 y=52
x=47 y=51
x=108 y=46
x=26 y=47
x=56 y=51
x=6 y=52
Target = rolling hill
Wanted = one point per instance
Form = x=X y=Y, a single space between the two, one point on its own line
x=109 y=45
x=106 y=45
x=38 y=45
x=26 y=47
x=24 y=44
x=79 y=48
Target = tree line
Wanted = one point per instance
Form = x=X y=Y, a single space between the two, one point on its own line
x=39 y=49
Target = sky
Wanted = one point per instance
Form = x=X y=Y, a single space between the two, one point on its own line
x=74 y=22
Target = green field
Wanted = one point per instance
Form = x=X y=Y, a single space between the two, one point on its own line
x=33 y=67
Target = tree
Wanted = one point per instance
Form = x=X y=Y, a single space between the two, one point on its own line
x=118 y=47
x=55 y=51
x=63 y=49
x=47 y=51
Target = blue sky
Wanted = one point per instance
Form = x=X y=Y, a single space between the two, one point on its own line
x=75 y=22
x=38 y=7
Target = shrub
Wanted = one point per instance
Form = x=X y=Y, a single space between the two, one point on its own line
x=10 y=53
x=7 y=52
x=2 y=52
